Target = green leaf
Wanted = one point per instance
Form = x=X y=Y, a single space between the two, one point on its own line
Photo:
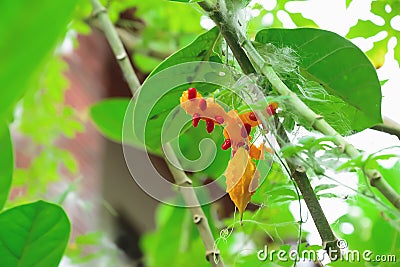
x=202 y=48
x=368 y=28
x=291 y=150
x=38 y=26
x=343 y=71
x=6 y=163
x=301 y=21
x=189 y=144
x=145 y=63
x=370 y=224
x=115 y=122
x=151 y=111
x=108 y=115
x=348 y=3
x=34 y=234
x=364 y=28
x=186 y=1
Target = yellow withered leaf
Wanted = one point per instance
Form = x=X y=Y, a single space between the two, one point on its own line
x=241 y=179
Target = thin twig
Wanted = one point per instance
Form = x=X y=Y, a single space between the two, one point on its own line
x=189 y=195
x=179 y=176
x=116 y=45
x=388 y=126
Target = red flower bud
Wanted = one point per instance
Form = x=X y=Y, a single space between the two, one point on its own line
x=227 y=144
x=196 y=119
x=209 y=125
x=252 y=116
x=219 y=119
x=192 y=93
x=245 y=130
x=270 y=110
x=203 y=104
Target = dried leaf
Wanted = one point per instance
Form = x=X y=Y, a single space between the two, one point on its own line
x=241 y=179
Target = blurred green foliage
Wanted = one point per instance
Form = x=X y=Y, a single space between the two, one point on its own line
x=389 y=11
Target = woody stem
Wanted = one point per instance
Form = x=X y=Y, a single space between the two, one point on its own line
x=179 y=176
x=230 y=34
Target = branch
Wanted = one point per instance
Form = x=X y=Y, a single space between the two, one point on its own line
x=179 y=176
x=116 y=45
x=229 y=34
x=327 y=236
x=317 y=121
x=389 y=126
x=189 y=195
x=329 y=240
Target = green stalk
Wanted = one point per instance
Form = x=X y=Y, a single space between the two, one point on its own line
x=318 y=122
x=315 y=120
x=116 y=45
x=186 y=189
x=329 y=241
x=199 y=218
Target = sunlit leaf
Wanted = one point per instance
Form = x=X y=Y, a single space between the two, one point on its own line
x=387 y=10
x=27 y=21
x=341 y=68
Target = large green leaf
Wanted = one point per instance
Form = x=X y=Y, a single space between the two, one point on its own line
x=34 y=234
x=28 y=32
x=108 y=115
x=113 y=118
x=202 y=48
x=6 y=163
x=341 y=68
x=194 y=149
x=153 y=104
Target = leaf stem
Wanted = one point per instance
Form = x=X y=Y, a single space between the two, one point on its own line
x=188 y=193
x=388 y=126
